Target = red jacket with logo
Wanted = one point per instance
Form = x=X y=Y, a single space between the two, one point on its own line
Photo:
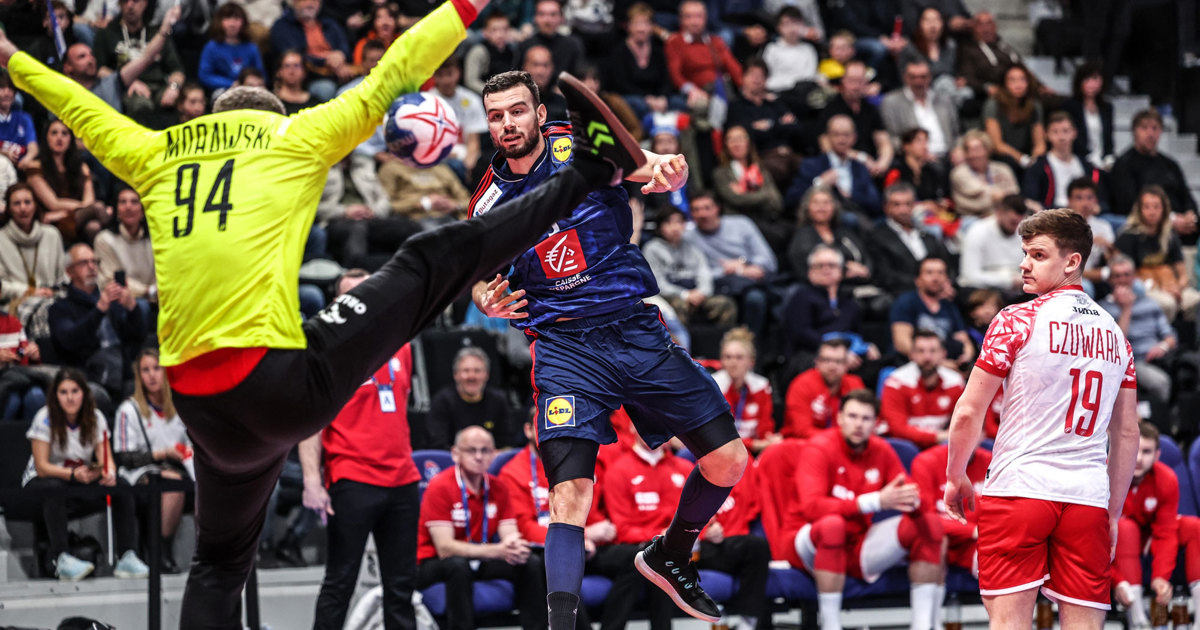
x=1153 y=504
x=442 y=505
x=641 y=497
x=811 y=407
x=531 y=500
x=914 y=412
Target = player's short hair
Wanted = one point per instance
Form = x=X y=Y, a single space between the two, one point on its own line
x=1081 y=183
x=246 y=97
x=925 y=333
x=508 y=80
x=862 y=396
x=473 y=351
x=1148 y=431
x=1058 y=117
x=1068 y=230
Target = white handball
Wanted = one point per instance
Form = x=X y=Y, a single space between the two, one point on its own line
x=420 y=129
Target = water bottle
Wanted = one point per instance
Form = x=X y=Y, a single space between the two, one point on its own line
x=1179 y=610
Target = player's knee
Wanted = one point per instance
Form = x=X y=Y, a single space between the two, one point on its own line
x=829 y=531
x=570 y=501
x=1127 y=529
x=1189 y=530
x=724 y=466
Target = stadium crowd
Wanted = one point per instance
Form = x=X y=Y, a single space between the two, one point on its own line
x=858 y=171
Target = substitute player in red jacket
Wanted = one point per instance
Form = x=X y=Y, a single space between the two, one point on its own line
x=929 y=471
x=1150 y=516
x=846 y=475
x=748 y=394
x=813 y=397
x=1060 y=469
x=919 y=395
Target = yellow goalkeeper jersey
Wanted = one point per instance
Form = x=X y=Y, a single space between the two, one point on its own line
x=230 y=197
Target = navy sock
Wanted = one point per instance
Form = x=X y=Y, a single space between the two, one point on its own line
x=564 y=558
x=698 y=503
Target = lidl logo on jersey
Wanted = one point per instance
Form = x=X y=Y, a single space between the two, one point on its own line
x=561 y=149
x=561 y=255
x=560 y=412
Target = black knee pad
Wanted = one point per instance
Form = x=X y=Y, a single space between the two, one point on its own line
x=568 y=458
x=710 y=436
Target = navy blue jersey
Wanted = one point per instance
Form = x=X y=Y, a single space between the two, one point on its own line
x=585 y=265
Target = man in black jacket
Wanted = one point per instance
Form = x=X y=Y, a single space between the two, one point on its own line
x=95 y=328
x=898 y=245
x=1143 y=165
x=1046 y=181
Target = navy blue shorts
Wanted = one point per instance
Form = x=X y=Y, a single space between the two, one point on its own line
x=585 y=368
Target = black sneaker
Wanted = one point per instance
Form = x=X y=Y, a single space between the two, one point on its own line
x=595 y=130
x=678 y=578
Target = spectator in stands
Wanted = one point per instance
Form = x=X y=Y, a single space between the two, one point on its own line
x=772 y=126
x=385 y=28
x=748 y=393
x=251 y=77
x=429 y=196
x=70 y=448
x=992 y=249
x=929 y=308
x=1149 y=238
x=1013 y=119
x=22 y=391
x=468 y=532
x=125 y=247
x=63 y=185
x=697 y=61
x=1082 y=198
x=289 y=82
x=822 y=308
x=18 y=139
x=979 y=183
x=229 y=48
x=470 y=402
x=982 y=307
x=958 y=19
x=192 y=103
x=468 y=111
x=871 y=137
x=791 y=59
x=1149 y=521
x=566 y=50
x=898 y=244
x=841 y=53
x=1145 y=326
x=845 y=475
x=539 y=62
x=1092 y=113
x=32 y=262
x=929 y=473
x=919 y=396
x=931 y=43
x=493 y=54
x=814 y=397
x=321 y=42
x=125 y=39
x=637 y=70
x=983 y=60
x=918 y=168
x=369 y=487
x=820 y=222
x=1048 y=179
x=666 y=136
x=1144 y=165
x=45 y=47
x=92 y=327
x=839 y=170
x=683 y=276
x=738 y=256
x=149 y=438
x=80 y=64
x=745 y=185
x=916 y=105
x=873 y=25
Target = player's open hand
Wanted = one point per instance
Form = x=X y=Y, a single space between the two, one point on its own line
x=958 y=491
x=898 y=495
x=496 y=301
x=670 y=173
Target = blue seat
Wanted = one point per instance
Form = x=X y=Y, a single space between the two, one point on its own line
x=987 y=443
x=429 y=464
x=719 y=586
x=792 y=585
x=894 y=581
x=960 y=580
x=1170 y=455
x=906 y=450
x=686 y=454
x=595 y=590
x=501 y=459
x=883 y=374
x=491 y=597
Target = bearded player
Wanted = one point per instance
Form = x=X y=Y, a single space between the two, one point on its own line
x=1064 y=455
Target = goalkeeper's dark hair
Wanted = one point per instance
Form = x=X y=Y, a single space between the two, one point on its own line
x=507 y=80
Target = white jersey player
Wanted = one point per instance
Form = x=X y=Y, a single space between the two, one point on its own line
x=1068 y=438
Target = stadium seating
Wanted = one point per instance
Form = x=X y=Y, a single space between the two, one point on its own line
x=906 y=450
x=502 y=458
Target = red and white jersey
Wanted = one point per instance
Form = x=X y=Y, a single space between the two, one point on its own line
x=912 y=411
x=1063 y=360
x=752 y=404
